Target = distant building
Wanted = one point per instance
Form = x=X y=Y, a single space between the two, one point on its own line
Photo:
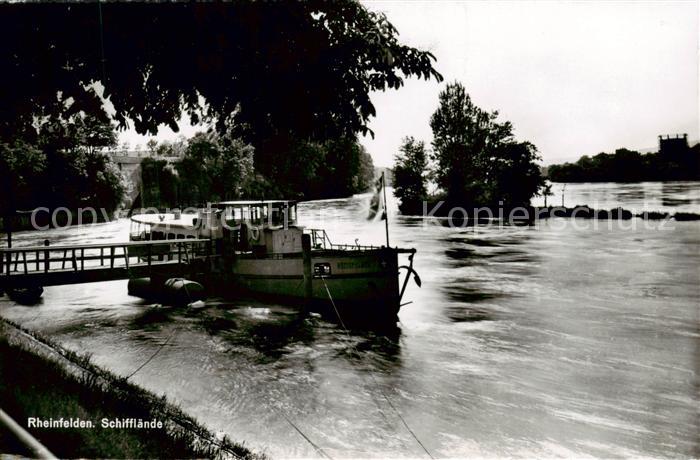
x=673 y=147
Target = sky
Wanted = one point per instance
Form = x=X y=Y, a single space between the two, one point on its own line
x=574 y=78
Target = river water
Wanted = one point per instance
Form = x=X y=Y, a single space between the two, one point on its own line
x=568 y=338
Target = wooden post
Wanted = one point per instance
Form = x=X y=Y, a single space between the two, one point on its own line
x=47 y=263
x=306 y=250
x=209 y=259
x=7 y=223
x=386 y=211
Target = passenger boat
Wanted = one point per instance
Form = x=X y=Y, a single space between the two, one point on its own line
x=261 y=251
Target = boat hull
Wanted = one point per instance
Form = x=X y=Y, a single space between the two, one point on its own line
x=358 y=282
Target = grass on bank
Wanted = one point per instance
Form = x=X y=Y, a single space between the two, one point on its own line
x=34 y=385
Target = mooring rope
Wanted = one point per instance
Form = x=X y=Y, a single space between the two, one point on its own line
x=172 y=334
x=318 y=449
x=313 y=444
x=337 y=312
x=398 y=414
x=184 y=423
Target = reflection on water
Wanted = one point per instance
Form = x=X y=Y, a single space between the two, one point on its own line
x=554 y=340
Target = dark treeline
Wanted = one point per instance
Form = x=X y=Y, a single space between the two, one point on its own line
x=214 y=167
x=680 y=163
x=475 y=160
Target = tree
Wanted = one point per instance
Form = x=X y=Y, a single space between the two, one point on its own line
x=62 y=151
x=547 y=192
x=214 y=167
x=478 y=161
x=276 y=72
x=78 y=173
x=512 y=174
x=409 y=173
x=20 y=165
x=172 y=149
x=331 y=169
x=365 y=174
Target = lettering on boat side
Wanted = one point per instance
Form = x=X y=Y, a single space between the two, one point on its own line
x=352 y=265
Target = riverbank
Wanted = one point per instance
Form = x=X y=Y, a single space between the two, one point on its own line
x=92 y=412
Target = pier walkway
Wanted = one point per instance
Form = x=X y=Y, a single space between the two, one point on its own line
x=87 y=263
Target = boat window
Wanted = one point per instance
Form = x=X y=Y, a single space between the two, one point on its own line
x=277 y=217
x=190 y=237
x=171 y=236
x=255 y=215
x=180 y=236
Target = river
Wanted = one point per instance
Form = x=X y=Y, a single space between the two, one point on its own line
x=567 y=338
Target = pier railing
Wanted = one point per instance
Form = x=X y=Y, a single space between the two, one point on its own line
x=117 y=257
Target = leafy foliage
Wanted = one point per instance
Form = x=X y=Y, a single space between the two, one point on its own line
x=216 y=167
x=172 y=149
x=273 y=70
x=220 y=167
x=59 y=163
x=478 y=161
x=330 y=169
x=409 y=172
x=20 y=165
x=347 y=168
x=288 y=78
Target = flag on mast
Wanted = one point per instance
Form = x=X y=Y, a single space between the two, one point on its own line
x=376 y=205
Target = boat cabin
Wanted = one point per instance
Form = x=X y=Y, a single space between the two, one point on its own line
x=266 y=226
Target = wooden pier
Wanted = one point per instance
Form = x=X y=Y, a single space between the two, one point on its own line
x=39 y=266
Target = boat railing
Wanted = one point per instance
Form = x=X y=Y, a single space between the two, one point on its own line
x=321 y=240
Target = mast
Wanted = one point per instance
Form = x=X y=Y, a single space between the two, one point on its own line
x=386 y=212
